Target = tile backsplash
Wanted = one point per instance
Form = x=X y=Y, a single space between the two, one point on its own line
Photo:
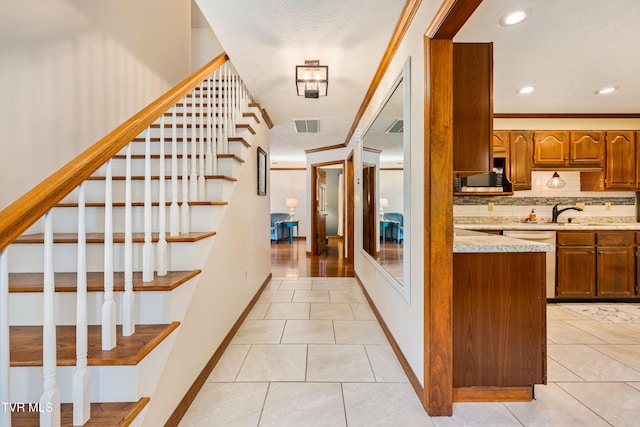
x=541 y=199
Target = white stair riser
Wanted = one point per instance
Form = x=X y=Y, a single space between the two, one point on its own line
x=200 y=131
x=118 y=166
x=151 y=307
x=216 y=190
x=138 y=147
x=108 y=383
x=25 y=309
x=65 y=220
x=28 y=258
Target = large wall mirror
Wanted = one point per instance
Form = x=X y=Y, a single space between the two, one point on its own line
x=386 y=179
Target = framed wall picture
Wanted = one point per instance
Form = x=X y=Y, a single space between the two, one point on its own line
x=262 y=172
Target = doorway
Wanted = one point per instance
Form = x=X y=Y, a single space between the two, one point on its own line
x=329 y=217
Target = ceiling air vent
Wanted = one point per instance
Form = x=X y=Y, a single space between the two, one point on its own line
x=396 y=127
x=307 y=126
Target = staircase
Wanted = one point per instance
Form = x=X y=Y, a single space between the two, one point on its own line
x=123 y=273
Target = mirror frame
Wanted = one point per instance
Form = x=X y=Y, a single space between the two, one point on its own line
x=404 y=79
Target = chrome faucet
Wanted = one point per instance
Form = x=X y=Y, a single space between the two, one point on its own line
x=555 y=212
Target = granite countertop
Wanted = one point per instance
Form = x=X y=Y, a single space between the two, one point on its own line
x=550 y=226
x=466 y=241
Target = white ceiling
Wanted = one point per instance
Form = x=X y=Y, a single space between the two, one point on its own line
x=567 y=49
x=266 y=39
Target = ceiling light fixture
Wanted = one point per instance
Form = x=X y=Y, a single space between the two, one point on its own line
x=512 y=18
x=606 y=90
x=312 y=79
x=556 y=182
x=525 y=90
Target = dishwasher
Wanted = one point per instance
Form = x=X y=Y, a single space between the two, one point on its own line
x=541 y=236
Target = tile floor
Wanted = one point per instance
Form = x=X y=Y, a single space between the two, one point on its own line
x=311 y=353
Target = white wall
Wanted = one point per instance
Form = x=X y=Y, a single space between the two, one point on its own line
x=391 y=188
x=204 y=47
x=290 y=183
x=405 y=319
x=74 y=71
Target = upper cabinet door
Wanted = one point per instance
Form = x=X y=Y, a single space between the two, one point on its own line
x=521 y=158
x=621 y=160
x=472 y=107
x=551 y=148
x=587 y=148
x=500 y=143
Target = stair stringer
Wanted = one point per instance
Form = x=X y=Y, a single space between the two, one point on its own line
x=236 y=266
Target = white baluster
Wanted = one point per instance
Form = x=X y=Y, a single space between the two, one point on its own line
x=193 y=179
x=220 y=111
x=201 y=179
x=162 y=206
x=227 y=122
x=128 y=299
x=210 y=143
x=109 y=305
x=185 y=223
x=81 y=399
x=5 y=416
x=174 y=212
x=147 y=248
x=50 y=399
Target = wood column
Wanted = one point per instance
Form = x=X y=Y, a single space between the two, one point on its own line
x=438 y=210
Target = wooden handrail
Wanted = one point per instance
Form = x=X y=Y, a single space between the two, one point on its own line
x=16 y=218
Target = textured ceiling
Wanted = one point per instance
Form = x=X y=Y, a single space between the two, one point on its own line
x=266 y=39
x=567 y=49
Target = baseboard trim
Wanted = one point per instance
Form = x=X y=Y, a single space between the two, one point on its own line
x=413 y=379
x=190 y=395
x=493 y=394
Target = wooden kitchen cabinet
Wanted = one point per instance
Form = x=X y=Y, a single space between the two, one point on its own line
x=576 y=264
x=598 y=264
x=499 y=330
x=587 y=148
x=472 y=107
x=550 y=148
x=621 y=160
x=616 y=268
x=521 y=158
x=500 y=143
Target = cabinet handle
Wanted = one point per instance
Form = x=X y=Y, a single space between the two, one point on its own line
x=600 y=252
x=592 y=252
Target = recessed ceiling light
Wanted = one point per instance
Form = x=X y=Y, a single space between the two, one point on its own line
x=513 y=18
x=525 y=90
x=606 y=90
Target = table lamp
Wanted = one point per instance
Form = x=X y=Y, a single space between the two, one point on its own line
x=291 y=203
x=384 y=203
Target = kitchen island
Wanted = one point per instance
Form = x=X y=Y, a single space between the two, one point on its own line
x=499 y=317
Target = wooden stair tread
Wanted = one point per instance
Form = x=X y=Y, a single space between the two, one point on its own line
x=239 y=139
x=252 y=115
x=156 y=177
x=111 y=414
x=117 y=237
x=67 y=281
x=180 y=138
x=26 y=345
x=137 y=204
x=179 y=156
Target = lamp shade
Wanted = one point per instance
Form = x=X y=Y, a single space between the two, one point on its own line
x=556 y=182
x=291 y=203
x=384 y=203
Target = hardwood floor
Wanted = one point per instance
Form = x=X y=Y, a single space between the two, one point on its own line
x=293 y=261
